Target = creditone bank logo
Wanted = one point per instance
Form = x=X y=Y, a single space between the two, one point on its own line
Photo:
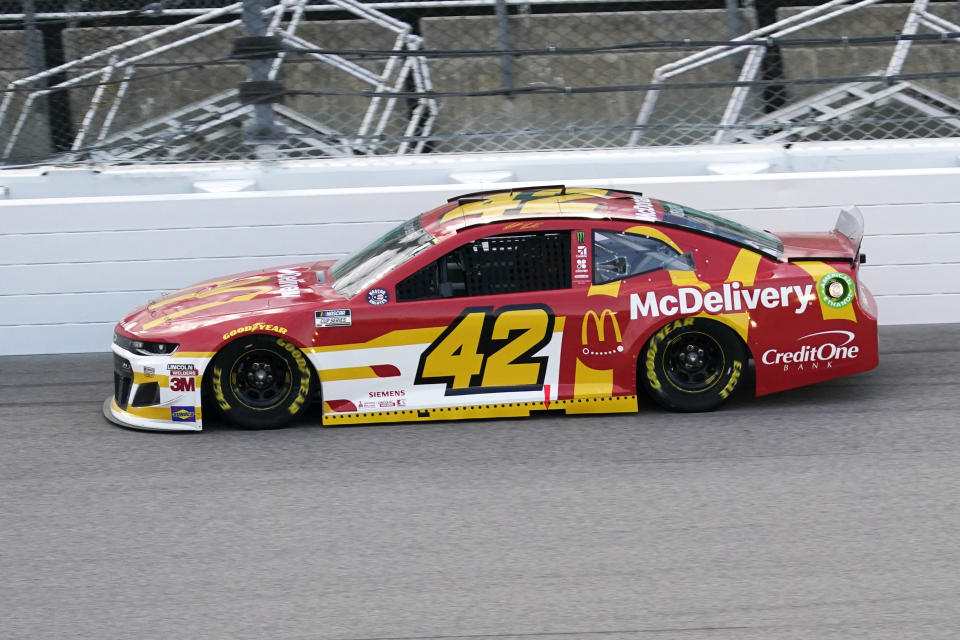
x=730 y=298
x=833 y=346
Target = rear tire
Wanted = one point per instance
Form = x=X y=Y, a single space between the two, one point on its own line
x=692 y=364
x=260 y=382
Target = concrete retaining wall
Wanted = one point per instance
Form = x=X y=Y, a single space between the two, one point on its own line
x=70 y=267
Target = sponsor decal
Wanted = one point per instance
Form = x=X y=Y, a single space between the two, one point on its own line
x=289 y=282
x=392 y=393
x=387 y=403
x=830 y=347
x=378 y=297
x=836 y=290
x=643 y=208
x=366 y=405
x=599 y=325
x=183 y=384
x=581 y=260
x=181 y=370
x=148 y=372
x=731 y=298
x=332 y=318
x=183 y=414
x=257 y=326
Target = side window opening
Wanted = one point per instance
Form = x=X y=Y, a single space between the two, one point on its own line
x=517 y=262
x=421 y=285
x=509 y=263
x=619 y=255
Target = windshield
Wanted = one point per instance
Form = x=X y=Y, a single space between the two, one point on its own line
x=727 y=229
x=354 y=273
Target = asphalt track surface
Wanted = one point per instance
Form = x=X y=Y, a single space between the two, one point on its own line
x=826 y=512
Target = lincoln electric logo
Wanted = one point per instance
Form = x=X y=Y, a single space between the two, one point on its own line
x=832 y=347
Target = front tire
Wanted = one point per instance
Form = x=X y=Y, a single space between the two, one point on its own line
x=693 y=364
x=260 y=382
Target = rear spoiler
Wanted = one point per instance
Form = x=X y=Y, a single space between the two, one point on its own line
x=850 y=225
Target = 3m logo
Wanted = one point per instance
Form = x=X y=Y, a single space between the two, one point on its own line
x=183 y=384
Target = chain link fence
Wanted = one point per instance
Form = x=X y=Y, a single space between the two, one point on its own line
x=126 y=81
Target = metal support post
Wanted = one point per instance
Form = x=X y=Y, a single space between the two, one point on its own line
x=263 y=129
x=734 y=30
x=503 y=33
x=37 y=64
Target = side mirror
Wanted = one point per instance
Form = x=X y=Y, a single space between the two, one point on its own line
x=446 y=290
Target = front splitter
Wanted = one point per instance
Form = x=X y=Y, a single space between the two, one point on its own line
x=109 y=415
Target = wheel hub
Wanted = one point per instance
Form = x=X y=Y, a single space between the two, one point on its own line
x=693 y=361
x=261 y=379
x=259 y=375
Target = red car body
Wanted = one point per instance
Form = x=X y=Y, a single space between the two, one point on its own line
x=385 y=350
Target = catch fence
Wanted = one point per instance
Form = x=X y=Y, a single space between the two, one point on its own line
x=132 y=81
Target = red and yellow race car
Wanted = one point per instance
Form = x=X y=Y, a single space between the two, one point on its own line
x=505 y=303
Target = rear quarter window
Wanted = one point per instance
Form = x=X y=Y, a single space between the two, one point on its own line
x=618 y=255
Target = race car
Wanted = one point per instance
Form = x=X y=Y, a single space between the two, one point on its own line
x=506 y=303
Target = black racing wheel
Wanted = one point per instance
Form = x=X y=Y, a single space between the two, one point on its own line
x=260 y=382
x=692 y=364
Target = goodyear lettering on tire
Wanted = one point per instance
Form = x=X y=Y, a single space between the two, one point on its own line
x=732 y=382
x=304 y=390
x=218 y=389
x=651 y=359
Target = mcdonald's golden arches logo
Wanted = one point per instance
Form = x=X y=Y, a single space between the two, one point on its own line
x=599 y=325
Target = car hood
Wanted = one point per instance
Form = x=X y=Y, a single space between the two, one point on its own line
x=260 y=291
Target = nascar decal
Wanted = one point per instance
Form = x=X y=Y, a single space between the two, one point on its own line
x=332 y=318
x=731 y=298
x=486 y=350
x=378 y=297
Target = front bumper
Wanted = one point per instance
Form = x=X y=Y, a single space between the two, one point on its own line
x=122 y=418
x=156 y=392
